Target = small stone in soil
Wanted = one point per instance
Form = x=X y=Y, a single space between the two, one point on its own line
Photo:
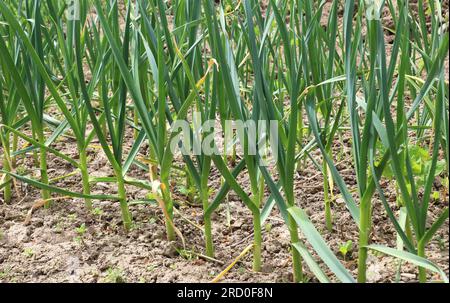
x=170 y=251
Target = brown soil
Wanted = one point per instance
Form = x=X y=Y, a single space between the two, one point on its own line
x=49 y=248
